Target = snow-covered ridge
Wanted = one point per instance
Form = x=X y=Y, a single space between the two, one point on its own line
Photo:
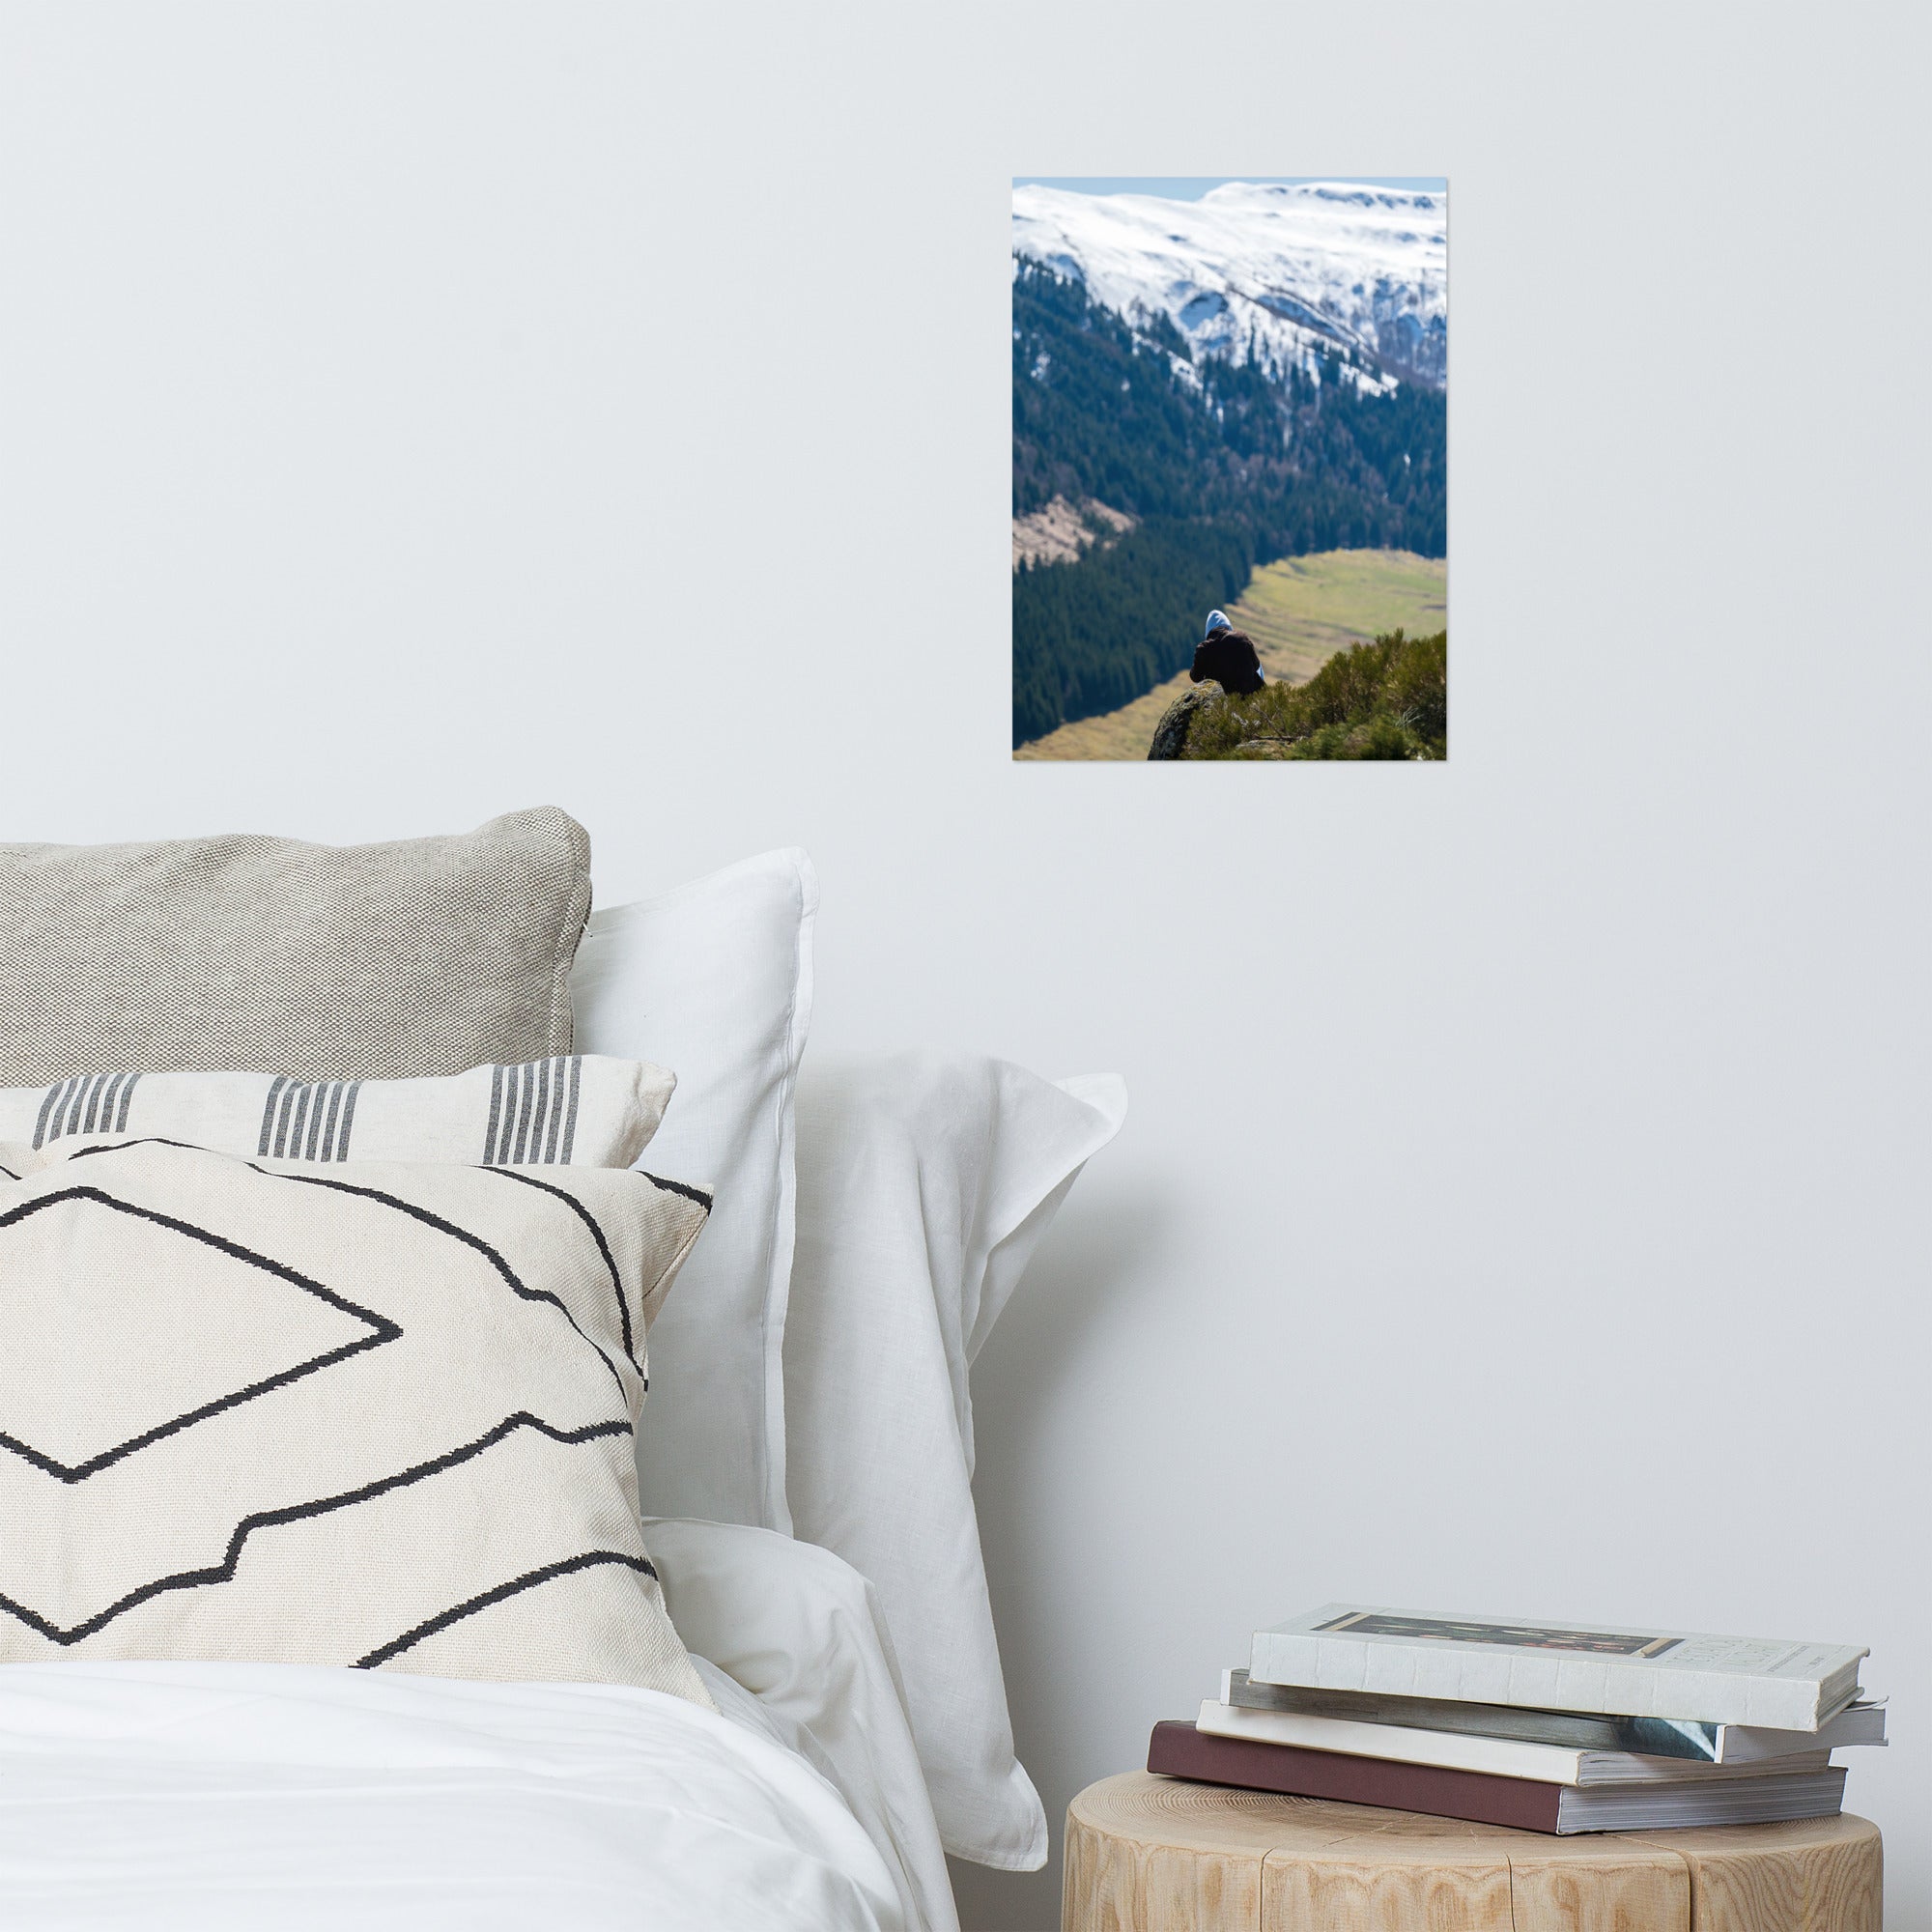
x=1288 y=272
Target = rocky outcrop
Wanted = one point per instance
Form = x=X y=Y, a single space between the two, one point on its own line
x=1170 y=735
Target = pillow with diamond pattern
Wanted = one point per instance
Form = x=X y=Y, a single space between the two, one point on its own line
x=377 y=1415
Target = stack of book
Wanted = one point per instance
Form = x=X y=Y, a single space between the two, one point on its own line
x=1547 y=1727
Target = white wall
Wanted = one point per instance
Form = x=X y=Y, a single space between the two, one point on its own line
x=410 y=412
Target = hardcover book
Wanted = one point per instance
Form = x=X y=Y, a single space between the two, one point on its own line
x=1859 y=1723
x=1180 y=1751
x=1639 y=1673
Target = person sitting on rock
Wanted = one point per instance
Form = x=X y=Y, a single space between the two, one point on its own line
x=1229 y=656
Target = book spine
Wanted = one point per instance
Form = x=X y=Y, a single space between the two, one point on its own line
x=1179 y=1751
x=1551 y=1681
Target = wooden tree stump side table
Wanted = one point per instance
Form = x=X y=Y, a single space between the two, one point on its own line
x=1148 y=1854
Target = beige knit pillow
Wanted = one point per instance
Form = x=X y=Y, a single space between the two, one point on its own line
x=372 y=1414
x=319 y=962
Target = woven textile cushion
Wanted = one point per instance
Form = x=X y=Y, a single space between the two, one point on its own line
x=375 y=1414
x=572 y=1109
x=320 y=962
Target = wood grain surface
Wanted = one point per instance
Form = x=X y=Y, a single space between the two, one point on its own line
x=1148 y=1854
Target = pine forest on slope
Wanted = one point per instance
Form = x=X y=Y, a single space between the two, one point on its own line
x=1225 y=451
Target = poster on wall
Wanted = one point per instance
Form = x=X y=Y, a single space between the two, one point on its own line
x=1230 y=494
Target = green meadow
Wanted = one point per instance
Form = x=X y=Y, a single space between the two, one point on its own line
x=1299 y=611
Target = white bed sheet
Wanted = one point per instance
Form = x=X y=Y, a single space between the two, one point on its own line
x=801 y=1629
x=223 y=1796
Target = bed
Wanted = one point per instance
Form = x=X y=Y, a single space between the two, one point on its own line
x=759 y=1685
x=229 y=1793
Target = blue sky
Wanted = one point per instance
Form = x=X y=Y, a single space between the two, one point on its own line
x=1191 y=187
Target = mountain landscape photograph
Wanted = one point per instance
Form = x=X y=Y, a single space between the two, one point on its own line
x=1229 y=487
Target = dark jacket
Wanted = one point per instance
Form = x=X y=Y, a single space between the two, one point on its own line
x=1231 y=660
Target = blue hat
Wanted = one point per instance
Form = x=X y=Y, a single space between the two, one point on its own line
x=1215 y=622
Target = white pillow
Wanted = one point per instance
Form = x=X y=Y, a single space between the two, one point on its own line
x=925 y=1180
x=714 y=981
x=801 y=1631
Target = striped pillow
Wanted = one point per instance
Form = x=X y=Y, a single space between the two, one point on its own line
x=572 y=1110
x=375 y=1415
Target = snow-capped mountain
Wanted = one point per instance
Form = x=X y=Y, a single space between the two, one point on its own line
x=1289 y=273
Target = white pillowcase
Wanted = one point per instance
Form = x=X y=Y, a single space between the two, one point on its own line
x=925 y=1180
x=714 y=979
x=801 y=1631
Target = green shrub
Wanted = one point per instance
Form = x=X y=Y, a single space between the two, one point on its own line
x=1385 y=700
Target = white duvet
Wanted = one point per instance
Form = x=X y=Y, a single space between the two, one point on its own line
x=222 y=1796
